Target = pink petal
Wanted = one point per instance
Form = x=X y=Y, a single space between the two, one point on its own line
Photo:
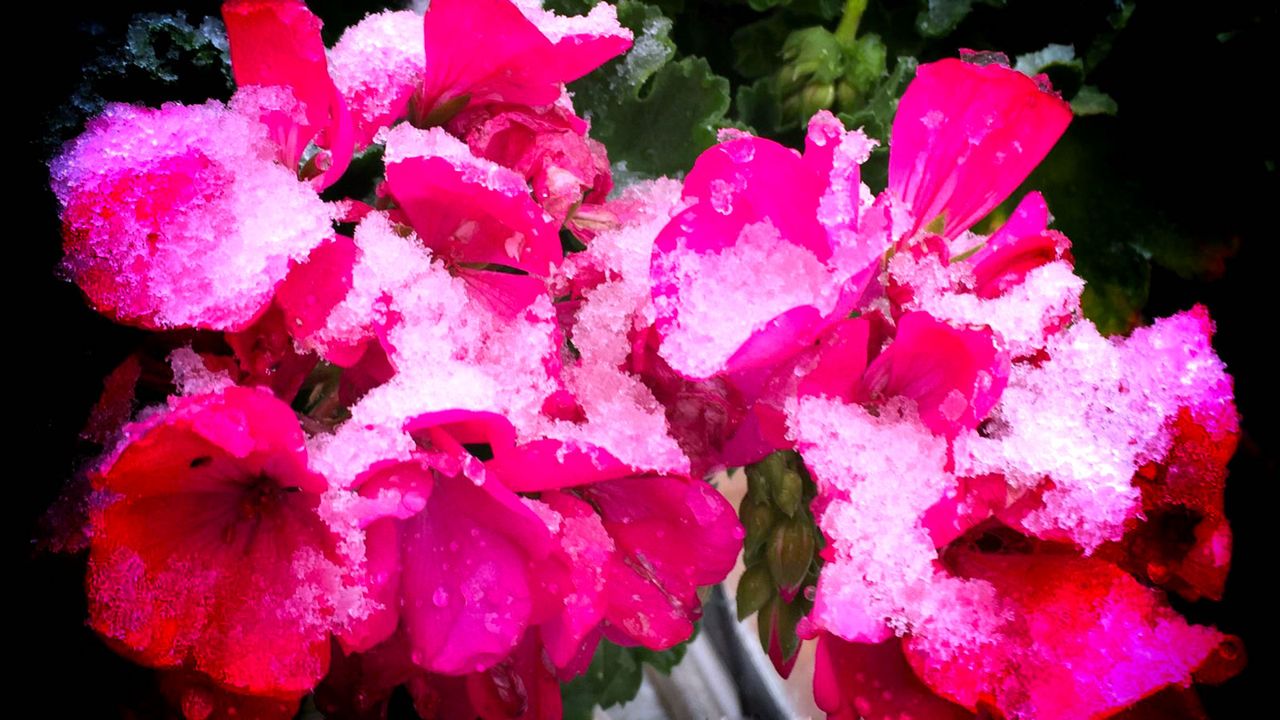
x=314 y=287
x=277 y=43
x=488 y=50
x=873 y=681
x=1088 y=640
x=466 y=209
x=480 y=555
x=589 y=548
x=954 y=375
x=965 y=136
x=672 y=535
x=210 y=538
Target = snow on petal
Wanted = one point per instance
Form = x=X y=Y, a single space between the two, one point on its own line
x=1085 y=640
x=163 y=220
x=378 y=65
x=467 y=209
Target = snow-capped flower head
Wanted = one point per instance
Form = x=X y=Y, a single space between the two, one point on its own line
x=164 y=219
x=209 y=552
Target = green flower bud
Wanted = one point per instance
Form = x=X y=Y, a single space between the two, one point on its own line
x=790 y=553
x=812 y=63
x=788 y=492
x=755 y=590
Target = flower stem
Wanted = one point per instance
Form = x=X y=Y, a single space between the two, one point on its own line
x=847 y=30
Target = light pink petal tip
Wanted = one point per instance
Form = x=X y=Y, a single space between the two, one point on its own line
x=965 y=136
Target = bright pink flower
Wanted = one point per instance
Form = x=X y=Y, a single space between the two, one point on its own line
x=671 y=536
x=210 y=554
x=516 y=52
x=954 y=375
x=548 y=146
x=467 y=210
x=485 y=565
x=164 y=219
x=1085 y=640
x=276 y=43
x=964 y=136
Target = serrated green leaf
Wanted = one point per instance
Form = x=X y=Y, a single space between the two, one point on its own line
x=1092 y=101
x=661 y=129
x=939 y=17
x=614 y=676
x=654 y=115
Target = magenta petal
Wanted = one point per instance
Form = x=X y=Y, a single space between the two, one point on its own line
x=487 y=50
x=277 y=43
x=955 y=375
x=965 y=136
x=842 y=355
x=672 y=535
x=211 y=533
x=470 y=592
x=583 y=42
x=504 y=294
x=874 y=682
x=466 y=209
x=589 y=548
x=1089 y=640
x=750 y=179
x=314 y=287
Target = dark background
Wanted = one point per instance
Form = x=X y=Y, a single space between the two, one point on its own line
x=1193 y=139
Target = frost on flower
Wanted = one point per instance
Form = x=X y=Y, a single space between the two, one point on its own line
x=165 y=218
x=210 y=553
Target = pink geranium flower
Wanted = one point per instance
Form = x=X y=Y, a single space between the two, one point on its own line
x=164 y=223
x=209 y=552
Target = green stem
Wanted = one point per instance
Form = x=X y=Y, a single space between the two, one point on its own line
x=847 y=30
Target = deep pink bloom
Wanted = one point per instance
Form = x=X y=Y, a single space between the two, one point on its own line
x=466 y=209
x=964 y=136
x=872 y=681
x=210 y=554
x=548 y=146
x=954 y=375
x=164 y=219
x=671 y=536
x=1088 y=641
x=485 y=565
x=276 y=43
x=516 y=52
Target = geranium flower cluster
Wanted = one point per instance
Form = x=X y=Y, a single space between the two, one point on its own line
x=410 y=441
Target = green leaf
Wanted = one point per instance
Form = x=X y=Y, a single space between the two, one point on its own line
x=875 y=117
x=939 y=17
x=756 y=46
x=1092 y=101
x=614 y=676
x=655 y=116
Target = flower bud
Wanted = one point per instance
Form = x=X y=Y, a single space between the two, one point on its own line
x=812 y=62
x=790 y=553
x=755 y=590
